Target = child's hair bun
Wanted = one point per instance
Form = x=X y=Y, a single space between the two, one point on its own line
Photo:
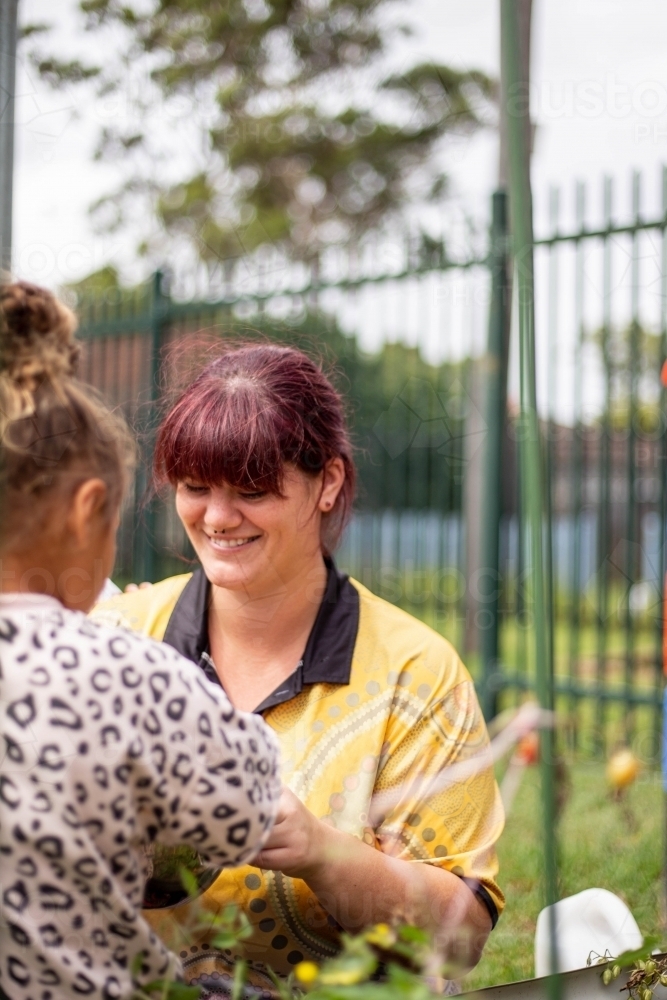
x=37 y=336
x=54 y=431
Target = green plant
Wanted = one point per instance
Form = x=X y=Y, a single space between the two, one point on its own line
x=649 y=970
x=380 y=963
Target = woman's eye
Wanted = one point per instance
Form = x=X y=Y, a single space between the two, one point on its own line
x=193 y=488
x=253 y=496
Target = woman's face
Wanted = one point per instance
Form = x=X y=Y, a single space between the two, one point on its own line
x=251 y=540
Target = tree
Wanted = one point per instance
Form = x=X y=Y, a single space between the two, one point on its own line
x=307 y=137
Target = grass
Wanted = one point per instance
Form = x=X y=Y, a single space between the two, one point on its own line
x=602 y=844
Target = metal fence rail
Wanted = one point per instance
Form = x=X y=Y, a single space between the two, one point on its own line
x=406 y=327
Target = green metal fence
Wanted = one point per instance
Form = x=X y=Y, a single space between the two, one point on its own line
x=418 y=337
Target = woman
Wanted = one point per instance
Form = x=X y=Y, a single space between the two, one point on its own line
x=110 y=741
x=363 y=697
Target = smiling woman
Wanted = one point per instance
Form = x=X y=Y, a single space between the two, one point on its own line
x=362 y=697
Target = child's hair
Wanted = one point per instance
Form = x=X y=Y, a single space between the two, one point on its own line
x=55 y=433
x=251 y=410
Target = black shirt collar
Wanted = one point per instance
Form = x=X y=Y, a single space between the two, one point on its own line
x=327 y=658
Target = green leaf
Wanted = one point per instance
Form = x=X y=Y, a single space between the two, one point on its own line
x=137 y=962
x=59 y=73
x=30 y=30
x=189 y=882
x=413 y=934
x=170 y=989
x=240 y=971
x=181 y=991
x=628 y=958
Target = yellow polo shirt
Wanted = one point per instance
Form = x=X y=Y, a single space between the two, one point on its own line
x=403 y=707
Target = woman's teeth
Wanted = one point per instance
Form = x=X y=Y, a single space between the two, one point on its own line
x=230 y=543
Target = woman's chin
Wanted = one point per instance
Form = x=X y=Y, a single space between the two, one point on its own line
x=230 y=577
x=236 y=572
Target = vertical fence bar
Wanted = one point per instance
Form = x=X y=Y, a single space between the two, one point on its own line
x=577 y=471
x=520 y=593
x=630 y=567
x=146 y=541
x=605 y=468
x=518 y=132
x=662 y=559
x=8 y=36
x=496 y=408
x=550 y=479
x=661 y=471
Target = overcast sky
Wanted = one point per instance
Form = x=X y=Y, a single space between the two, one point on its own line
x=599 y=97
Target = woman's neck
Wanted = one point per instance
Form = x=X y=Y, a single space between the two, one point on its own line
x=257 y=640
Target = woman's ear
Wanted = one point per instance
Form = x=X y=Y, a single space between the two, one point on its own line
x=333 y=477
x=86 y=506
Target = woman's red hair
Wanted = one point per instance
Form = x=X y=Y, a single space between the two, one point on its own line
x=248 y=413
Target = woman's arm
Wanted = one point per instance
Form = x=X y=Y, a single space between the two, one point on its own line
x=359 y=885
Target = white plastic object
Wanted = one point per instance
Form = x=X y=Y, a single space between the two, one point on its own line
x=594 y=920
x=108 y=590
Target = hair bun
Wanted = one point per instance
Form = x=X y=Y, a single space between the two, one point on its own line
x=37 y=336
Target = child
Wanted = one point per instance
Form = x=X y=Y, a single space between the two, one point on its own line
x=111 y=741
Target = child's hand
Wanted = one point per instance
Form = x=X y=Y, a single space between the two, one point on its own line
x=297 y=842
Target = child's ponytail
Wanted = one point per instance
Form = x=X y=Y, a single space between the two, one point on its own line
x=54 y=431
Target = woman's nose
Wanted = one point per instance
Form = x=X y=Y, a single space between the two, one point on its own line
x=222 y=515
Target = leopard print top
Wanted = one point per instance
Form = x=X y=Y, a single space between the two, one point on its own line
x=109 y=742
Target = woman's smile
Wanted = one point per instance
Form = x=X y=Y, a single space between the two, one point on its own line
x=227 y=544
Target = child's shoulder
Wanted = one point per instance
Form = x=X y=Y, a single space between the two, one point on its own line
x=146 y=611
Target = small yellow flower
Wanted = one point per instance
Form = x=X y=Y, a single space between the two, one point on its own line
x=306 y=972
x=381 y=935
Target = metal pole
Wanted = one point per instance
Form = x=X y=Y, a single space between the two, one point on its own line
x=8 y=35
x=630 y=568
x=516 y=112
x=496 y=407
x=662 y=563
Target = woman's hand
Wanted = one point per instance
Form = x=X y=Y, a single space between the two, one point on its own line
x=297 y=842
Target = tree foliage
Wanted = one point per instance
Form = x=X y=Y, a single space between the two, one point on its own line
x=304 y=136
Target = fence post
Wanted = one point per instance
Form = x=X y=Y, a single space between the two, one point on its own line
x=8 y=33
x=146 y=536
x=515 y=111
x=495 y=385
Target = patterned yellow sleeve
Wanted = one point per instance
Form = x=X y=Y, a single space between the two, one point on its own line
x=432 y=727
